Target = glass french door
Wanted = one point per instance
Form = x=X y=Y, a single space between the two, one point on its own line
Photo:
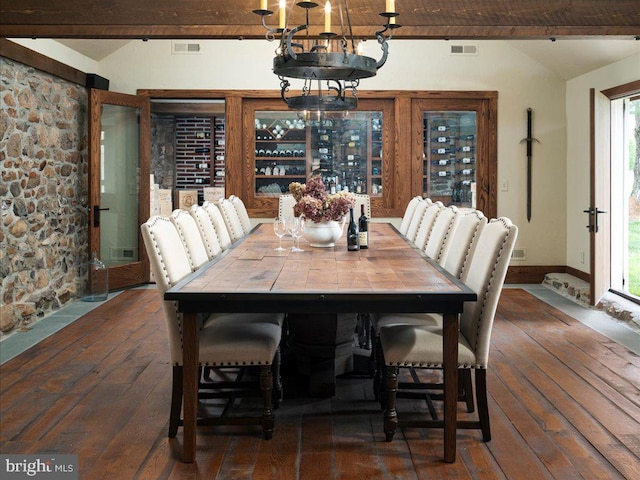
x=119 y=184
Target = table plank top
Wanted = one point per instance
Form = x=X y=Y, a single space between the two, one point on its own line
x=391 y=268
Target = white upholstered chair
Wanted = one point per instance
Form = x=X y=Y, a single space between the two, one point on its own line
x=408 y=214
x=429 y=217
x=443 y=227
x=191 y=238
x=218 y=223
x=231 y=219
x=421 y=346
x=362 y=199
x=227 y=340
x=286 y=203
x=207 y=231
x=463 y=241
x=241 y=210
x=416 y=220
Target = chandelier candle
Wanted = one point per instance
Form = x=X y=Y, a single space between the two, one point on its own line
x=283 y=14
x=327 y=17
x=391 y=6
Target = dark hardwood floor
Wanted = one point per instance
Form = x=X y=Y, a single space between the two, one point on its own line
x=564 y=404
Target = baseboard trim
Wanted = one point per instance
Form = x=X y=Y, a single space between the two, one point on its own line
x=536 y=273
x=579 y=274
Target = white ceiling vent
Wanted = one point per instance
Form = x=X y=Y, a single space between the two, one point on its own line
x=464 y=50
x=185 y=48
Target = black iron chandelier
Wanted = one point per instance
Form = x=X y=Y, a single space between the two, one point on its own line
x=330 y=78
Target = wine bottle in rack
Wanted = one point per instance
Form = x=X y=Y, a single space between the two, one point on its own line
x=363 y=229
x=441 y=151
x=352 y=234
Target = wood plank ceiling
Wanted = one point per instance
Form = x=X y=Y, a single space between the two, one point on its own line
x=210 y=19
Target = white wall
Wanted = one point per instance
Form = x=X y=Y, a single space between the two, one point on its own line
x=60 y=52
x=578 y=154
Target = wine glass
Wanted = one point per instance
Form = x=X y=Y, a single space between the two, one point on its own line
x=290 y=225
x=297 y=232
x=293 y=224
x=280 y=229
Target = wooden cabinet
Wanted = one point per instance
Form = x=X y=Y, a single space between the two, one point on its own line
x=394 y=148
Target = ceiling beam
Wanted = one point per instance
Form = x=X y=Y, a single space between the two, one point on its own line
x=243 y=32
x=213 y=19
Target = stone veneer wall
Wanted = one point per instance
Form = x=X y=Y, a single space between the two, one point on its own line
x=43 y=190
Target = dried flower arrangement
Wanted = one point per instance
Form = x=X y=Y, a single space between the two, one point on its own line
x=316 y=204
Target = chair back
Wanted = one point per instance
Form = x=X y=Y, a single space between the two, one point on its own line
x=485 y=276
x=429 y=218
x=463 y=241
x=416 y=219
x=191 y=238
x=218 y=223
x=207 y=231
x=241 y=210
x=170 y=264
x=442 y=228
x=408 y=214
x=231 y=219
x=285 y=205
x=362 y=199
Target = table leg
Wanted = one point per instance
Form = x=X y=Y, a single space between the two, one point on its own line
x=450 y=365
x=190 y=379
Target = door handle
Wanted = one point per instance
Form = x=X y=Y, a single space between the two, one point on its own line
x=96 y=215
x=593 y=218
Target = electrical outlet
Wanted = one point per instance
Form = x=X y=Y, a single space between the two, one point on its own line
x=582 y=257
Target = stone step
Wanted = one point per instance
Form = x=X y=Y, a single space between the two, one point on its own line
x=579 y=291
x=569 y=286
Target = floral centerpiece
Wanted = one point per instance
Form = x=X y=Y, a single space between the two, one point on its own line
x=316 y=204
x=323 y=210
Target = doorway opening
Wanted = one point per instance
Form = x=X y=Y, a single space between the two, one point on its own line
x=625 y=188
x=187 y=152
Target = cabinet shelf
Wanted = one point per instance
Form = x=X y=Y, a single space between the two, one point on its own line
x=281 y=176
x=280 y=159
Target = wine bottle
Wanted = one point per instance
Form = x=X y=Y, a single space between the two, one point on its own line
x=363 y=229
x=352 y=234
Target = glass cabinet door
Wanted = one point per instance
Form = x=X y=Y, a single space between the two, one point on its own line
x=449 y=157
x=345 y=148
x=280 y=151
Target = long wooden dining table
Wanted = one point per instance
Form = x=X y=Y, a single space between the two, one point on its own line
x=251 y=276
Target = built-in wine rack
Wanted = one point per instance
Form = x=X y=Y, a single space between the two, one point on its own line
x=219 y=152
x=280 y=152
x=346 y=150
x=449 y=156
